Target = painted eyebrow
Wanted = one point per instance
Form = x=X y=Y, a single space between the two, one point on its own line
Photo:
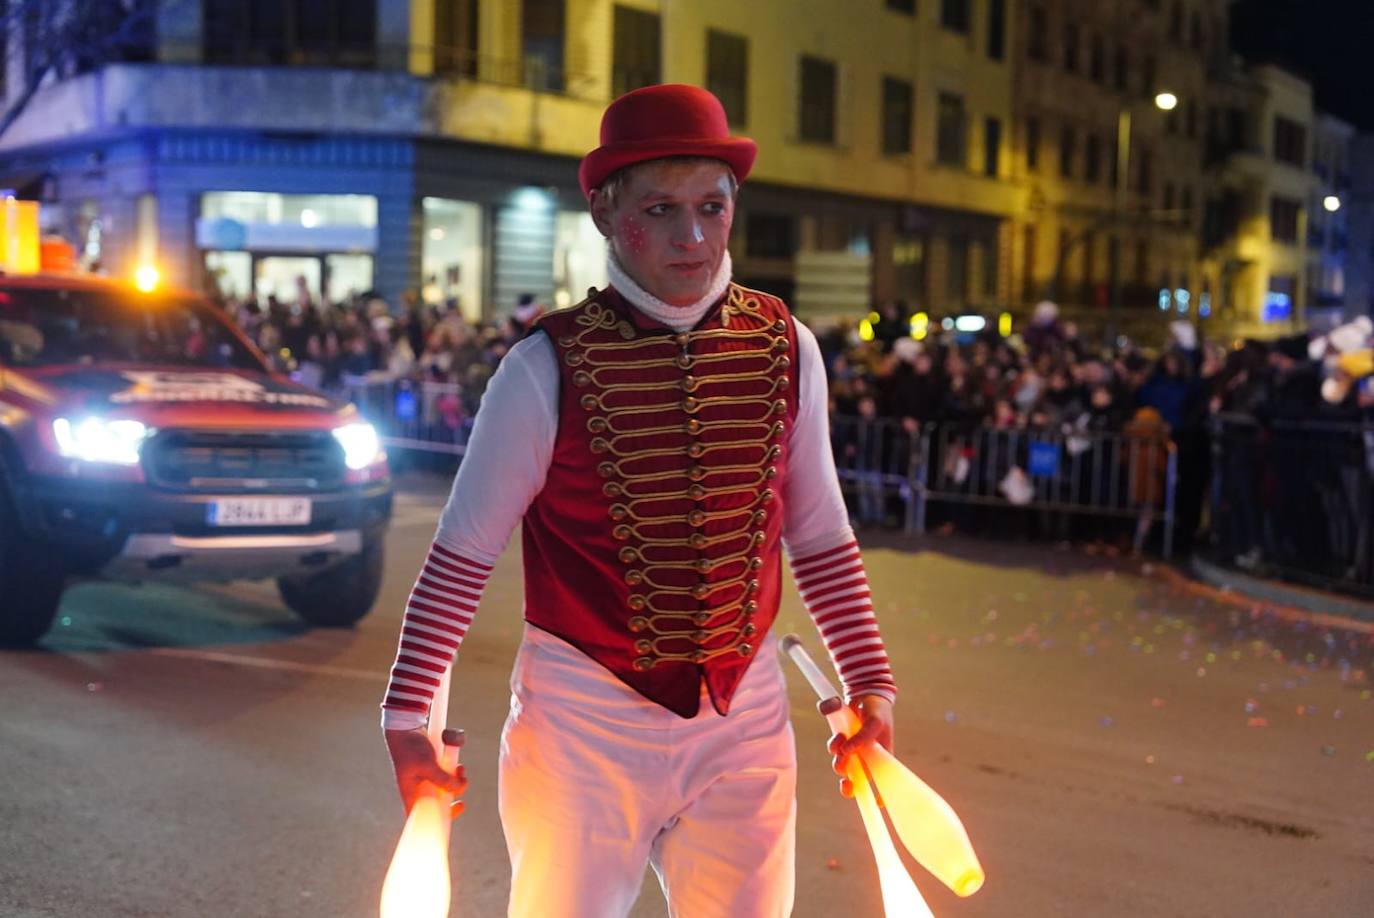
x=655 y=196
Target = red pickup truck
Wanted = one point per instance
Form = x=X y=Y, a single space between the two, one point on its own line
x=143 y=436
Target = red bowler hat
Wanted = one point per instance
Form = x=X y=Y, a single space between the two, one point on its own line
x=666 y=120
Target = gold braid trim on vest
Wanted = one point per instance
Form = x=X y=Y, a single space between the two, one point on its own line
x=710 y=405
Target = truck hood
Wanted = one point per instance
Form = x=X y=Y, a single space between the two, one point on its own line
x=181 y=397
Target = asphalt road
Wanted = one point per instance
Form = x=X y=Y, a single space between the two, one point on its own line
x=1115 y=746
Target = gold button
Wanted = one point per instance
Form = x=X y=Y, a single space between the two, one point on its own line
x=634 y=578
x=596 y=425
x=684 y=361
x=779 y=344
x=750 y=608
x=581 y=378
x=758 y=537
x=619 y=512
x=611 y=489
x=566 y=340
x=696 y=518
x=697 y=540
x=784 y=380
x=751 y=588
x=696 y=450
x=780 y=326
x=745 y=649
x=701 y=618
x=701 y=591
x=629 y=555
x=574 y=358
x=638 y=623
x=644 y=664
x=644 y=646
x=770 y=473
x=696 y=492
x=778 y=428
x=766 y=496
x=683 y=339
x=599 y=445
x=774 y=453
x=690 y=404
x=784 y=363
x=690 y=383
x=627 y=331
x=703 y=565
x=590 y=402
x=606 y=469
x=755 y=564
x=700 y=636
x=780 y=406
x=622 y=533
x=696 y=473
x=749 y=630
x=698 y=656
x=637 y=603
x=760 y=517
x=693 y=427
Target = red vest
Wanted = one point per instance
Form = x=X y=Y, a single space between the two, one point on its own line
x=653 y=546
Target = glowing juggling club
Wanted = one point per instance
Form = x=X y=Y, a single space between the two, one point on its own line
x=926 y=825
x=417 y=883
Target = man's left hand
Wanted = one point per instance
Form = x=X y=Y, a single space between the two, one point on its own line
x=876 y=726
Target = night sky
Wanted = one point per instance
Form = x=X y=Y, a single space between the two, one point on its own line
x=1331 y=42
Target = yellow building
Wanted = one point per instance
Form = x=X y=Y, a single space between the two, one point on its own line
x=1089 y=73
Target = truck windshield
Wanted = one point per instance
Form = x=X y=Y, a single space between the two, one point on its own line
x=45 y=327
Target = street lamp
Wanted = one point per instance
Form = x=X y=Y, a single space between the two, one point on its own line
x=1165 y=102
x=1331 y=203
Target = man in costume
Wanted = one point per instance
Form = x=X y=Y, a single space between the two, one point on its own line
x=662 y=441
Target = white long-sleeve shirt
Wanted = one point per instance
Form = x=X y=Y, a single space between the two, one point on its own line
x=504 y=468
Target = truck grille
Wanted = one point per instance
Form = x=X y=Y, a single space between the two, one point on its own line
x=191 y=460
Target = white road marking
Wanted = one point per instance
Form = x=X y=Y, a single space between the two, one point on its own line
x=315 y=669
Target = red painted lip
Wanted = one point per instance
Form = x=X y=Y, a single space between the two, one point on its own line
x=686 y=265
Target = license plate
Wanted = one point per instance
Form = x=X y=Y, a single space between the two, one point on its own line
x=258 y=511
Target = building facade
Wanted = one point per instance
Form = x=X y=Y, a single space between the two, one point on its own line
x=432 y=145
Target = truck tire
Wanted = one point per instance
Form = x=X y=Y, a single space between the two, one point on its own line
x=340 y=595
x=30 y=584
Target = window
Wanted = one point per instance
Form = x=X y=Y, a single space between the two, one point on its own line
x=897 y=106
x=1283 y=219
x=727 y=73
x=1168 y=195
x=1290 y=142
x=1068 y=140
x=1176 y=21
x=902 y=6
x=1186 y=203
x=997 y=29
x=1147 y=76
x=1195 y=37
x=817 y=114
x=769 y=236
x=1143 y=173
x=309 y=33
x=1028 y=262
x=1071 y=42
x=1190 y=119
x=1142 y=260
x=1092 y=159
x=956 y=274
x=1038 y=35
x=541 y=23
x=990 y=267
x=636 y=62
x=954 y=15
x=1032 y=144
x=1064 y=263
x=951 y=131
x=1097 y=60
x=1122 y=76
x=455 y=38
x=992 y=146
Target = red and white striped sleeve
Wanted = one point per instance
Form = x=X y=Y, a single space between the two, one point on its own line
x=442 y=605
x=834 y=588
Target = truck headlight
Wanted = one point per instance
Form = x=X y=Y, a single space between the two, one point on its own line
x=116 y=442
x=361 y=445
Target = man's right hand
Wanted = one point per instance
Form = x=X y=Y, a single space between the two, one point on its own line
x=418 y=770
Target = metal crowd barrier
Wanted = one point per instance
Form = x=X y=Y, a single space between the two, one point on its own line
x=1294 y=499
x=876 y=460
x=412 y=414
x=1130 y=475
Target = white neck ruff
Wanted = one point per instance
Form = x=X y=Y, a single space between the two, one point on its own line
x=678 y=318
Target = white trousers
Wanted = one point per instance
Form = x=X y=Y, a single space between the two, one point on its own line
x=596 y=781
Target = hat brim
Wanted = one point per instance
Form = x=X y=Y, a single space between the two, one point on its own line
x=738 y=153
